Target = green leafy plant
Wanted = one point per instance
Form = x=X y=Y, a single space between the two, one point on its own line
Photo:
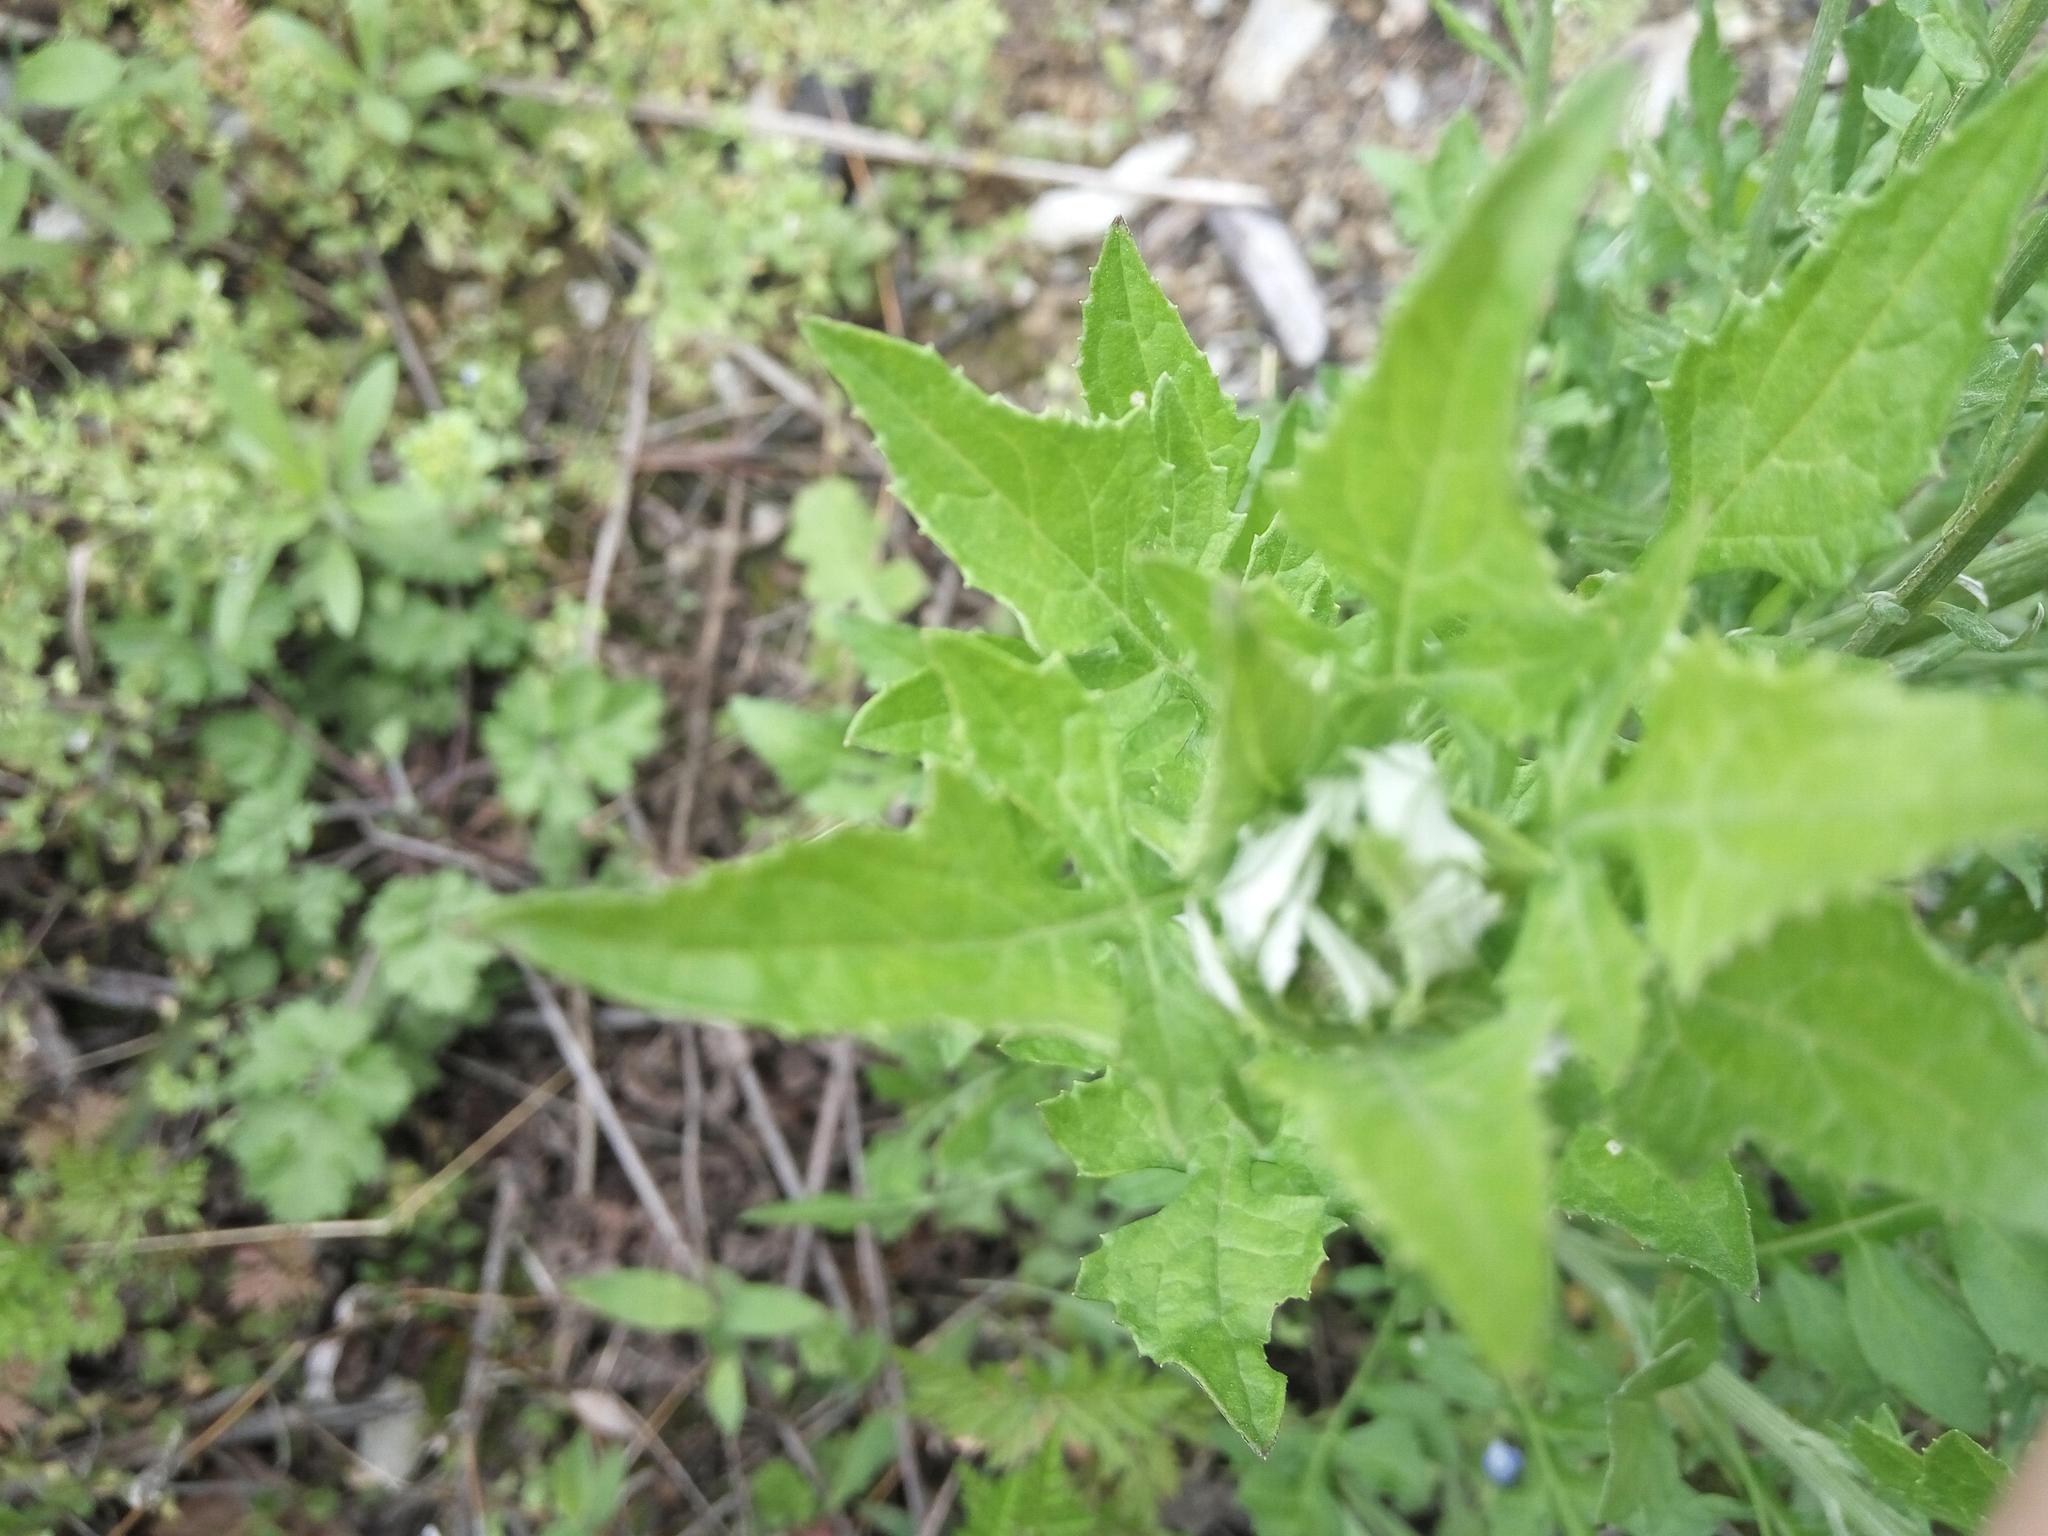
x=1370 y=874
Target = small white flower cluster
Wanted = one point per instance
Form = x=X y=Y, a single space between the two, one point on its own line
x=1268 y=908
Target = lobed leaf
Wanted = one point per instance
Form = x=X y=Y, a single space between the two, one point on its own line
x=1196 y=1284
x=867 y=930
x=1763 y=789
x=1044 y=512
x=1821 y=1042
x=1132 y=337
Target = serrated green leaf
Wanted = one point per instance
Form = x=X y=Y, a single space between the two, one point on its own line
x=907 y=718
x=2004 y=1276
x=1108 y=1125
x=1763 y=789
x=1577 y=956
x=1116 y=1414
x=650 y=1299
x=1918 y=1340
x=1807 y=418
x=1817 y=1043
x=1196 y=522
x=959 y=919
x=1132 y=337
x=1042 y=511
x=1955 y=1479
x=1197 y=1283
x=1444 y=1147
x=1033 y=733
x=1408 y=492
x=1702 y=1221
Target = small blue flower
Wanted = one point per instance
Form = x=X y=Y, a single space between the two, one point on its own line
x=1502 y=1462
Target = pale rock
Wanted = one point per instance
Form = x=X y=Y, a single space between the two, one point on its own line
x=1398 y=18
x=1274 y=40
x=1401 y=95
x=1263 y=250
x=1067 y=217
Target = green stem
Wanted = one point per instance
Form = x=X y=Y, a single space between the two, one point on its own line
x=1770 y=203
x=1536 y=62
x=2018 y=21
x=2025 y=268
x=1824 y=1237
x=1979 y=521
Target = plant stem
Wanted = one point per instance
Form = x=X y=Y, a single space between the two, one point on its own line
x=1979 y=521
x=2024 y=270
x=1770 y=203
x=1536 y=62
x=2018 y=21
x=1822 y=1237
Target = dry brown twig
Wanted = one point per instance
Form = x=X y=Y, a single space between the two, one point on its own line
x=868 y=1259
x=611 y=533
x=476 y=1377
x=394 y=1221
x=704 y=678
x=402 y=334
x=879 y=144
x=616 y=1135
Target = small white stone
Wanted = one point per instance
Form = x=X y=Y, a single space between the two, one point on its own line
x=590 y=301
x=1274 y=40
x=1072 y=216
